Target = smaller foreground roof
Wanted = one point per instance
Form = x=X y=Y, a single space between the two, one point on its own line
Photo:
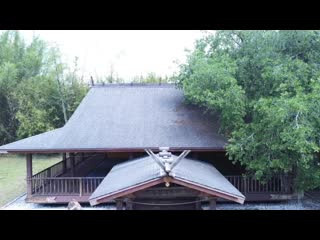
x=142 y=173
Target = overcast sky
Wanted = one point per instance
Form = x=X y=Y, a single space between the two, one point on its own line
x=131 y=52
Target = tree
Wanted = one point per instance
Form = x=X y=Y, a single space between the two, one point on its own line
x=38 y=92
x=151 y=77
x=264 y=85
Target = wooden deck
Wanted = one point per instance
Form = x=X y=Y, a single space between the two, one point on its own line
x=69 y=179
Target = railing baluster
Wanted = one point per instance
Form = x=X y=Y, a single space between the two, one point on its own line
x=87 y=185
x=253 y=182
x=256 y=185
x=80 y=186
x=235 y=182
x=279 y=184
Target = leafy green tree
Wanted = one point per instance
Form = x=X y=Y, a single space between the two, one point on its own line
x=38 y=92
x=151 y=77
x=265 y=86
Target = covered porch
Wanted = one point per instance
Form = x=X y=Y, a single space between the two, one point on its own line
x=78 y=175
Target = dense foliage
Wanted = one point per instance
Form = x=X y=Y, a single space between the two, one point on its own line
x=265 y=85
x=150 y=78
x=37 y=91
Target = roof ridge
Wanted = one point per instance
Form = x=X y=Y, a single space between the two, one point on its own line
x=152 y=85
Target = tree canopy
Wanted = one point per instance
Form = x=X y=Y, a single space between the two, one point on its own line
x=265 y=87
x=38 y=92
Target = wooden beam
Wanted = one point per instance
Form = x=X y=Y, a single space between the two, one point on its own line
x=29 y=174
x=95 y=150
x=72 y=164
x=64 y=162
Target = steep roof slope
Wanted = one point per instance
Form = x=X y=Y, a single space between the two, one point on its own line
x=127 y=117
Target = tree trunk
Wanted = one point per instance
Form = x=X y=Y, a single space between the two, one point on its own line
x=63 y=103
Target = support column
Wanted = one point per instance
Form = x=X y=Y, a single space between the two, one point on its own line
x=64 y=162
x=212 y=204
x=29 y=174
x=72 y=164
x=244 y=185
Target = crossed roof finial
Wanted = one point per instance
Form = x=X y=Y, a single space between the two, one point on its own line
x=165 y=159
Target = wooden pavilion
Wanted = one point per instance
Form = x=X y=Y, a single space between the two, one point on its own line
x=105 y=146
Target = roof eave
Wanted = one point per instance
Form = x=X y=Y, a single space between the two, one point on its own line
x=125 y=191
x=210 y=191
x=173 y=149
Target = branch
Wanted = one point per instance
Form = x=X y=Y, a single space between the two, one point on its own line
x=296 y=119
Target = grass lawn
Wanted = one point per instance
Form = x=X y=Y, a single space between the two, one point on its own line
x=13 y=173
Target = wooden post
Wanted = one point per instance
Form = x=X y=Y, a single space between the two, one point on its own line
x=29 y=174
x=119 y=204
x=285 y=180
x=212 y=204
x=72 y=164
x=80 y=187
x=244 y=185
x=64 y=163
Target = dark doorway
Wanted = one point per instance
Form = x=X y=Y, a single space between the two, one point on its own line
x=181 y=204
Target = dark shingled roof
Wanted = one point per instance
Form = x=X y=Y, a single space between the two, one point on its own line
x=130 y=174
x=126 y=117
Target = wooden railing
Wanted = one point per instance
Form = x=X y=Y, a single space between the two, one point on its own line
x=57 y=169
x=47 y=183
x=52 y=171
x=252 y=185
x=65 y=185
x=50 y=182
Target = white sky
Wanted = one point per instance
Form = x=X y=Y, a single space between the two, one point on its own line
x=132 y=52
